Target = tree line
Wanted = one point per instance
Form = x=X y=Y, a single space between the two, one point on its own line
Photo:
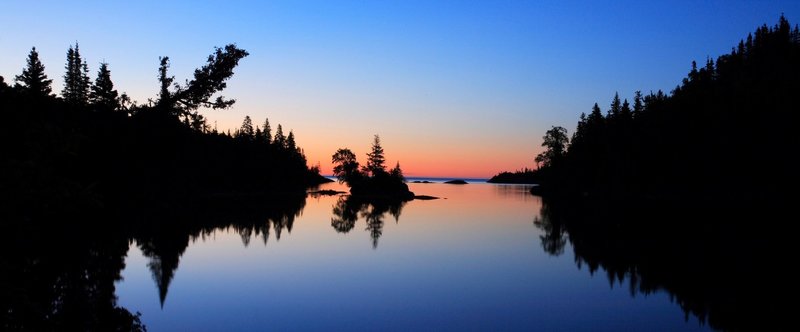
x=726 y=131
x=89 y=170
x=93 y=144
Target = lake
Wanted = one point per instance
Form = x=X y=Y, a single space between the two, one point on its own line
x=484 y=257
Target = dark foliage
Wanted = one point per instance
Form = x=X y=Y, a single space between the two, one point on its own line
x=525 y=176
x=33 y=80
x=57 y=151
x=103 y=97
x=726 y=132
x=687 y=192
x=76 y=79
x=69 y=165
x=372 y=179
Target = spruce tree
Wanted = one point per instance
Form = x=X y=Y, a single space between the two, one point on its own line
x=638 y=107
x=616 y=107
x=33 y=79
x=397 y=173
x=290 y=144
x=625 y=112
x=259 y=136
x=375 y=158
x=103 y=95
x=76 y=78
x=267 y=132
x=247 y=128
x=280 y=140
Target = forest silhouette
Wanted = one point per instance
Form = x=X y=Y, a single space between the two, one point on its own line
x=687 y=192
x=86 y=172
x=94 y=145
x=725 y=133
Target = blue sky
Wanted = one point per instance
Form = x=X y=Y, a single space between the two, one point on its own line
x=461 y=88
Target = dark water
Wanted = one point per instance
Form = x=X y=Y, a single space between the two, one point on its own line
x=485 y=258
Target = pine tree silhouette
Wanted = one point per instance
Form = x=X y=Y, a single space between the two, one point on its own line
x=103 y=96
x=33 y=79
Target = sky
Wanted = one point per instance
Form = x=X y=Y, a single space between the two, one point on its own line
x=453 y=88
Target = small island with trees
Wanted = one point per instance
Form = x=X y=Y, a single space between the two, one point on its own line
x=371 y=180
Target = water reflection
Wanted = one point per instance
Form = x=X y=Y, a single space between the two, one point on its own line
x=349 y=208
x=515 y=191
x=166 y=233
x=59 y=277
x=706 y=257
x=64 y=277
x=554 y=238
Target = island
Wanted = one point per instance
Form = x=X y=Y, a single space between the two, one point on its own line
x=372 y=180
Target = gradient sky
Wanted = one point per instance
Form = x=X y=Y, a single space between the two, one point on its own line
x=454 y=88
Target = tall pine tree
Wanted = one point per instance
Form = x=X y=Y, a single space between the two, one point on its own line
x=246 y=131
x=375 y=158
x=280 y=140
x=103 y=95
x=290 y=144
x=33 y=79
x=267 y=132
x=76 y=78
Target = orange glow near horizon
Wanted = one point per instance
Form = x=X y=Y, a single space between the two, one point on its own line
x=457 y=147
x=433 y=160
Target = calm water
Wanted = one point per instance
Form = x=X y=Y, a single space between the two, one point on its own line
x=473 y=261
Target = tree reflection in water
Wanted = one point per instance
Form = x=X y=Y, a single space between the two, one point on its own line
x=63 y=279
x=711 y=258
x=164 y=237
x=57 y=276
x=349 y=208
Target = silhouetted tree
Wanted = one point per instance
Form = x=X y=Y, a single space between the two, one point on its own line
x=207 y=81
x=103 y=95
x=397 y=173
x=556 y=141
x=33 y=79
x=280 y=140
x=259 y=135
x=290 y=144
x=267 y=132
x=164 y=96
x=246 y=131
x=345 y=166
x=637 y=103
x=210 y=79
x=625 y=112
x=616 y=107
x=76 y=78
x=375 y=159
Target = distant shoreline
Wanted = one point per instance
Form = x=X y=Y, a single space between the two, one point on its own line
x=434 y=179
